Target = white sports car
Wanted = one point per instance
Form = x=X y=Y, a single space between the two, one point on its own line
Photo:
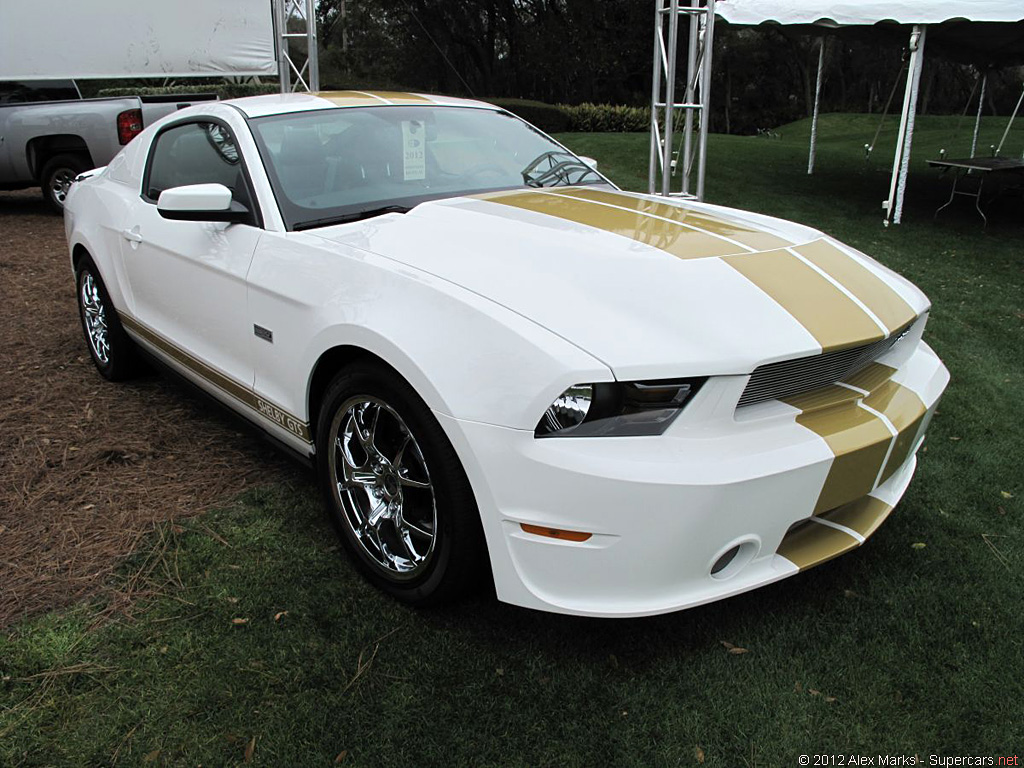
x=617 y=404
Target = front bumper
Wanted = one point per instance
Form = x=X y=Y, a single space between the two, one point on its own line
x=783 y=486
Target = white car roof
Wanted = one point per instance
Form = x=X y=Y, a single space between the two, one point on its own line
x=281 y=103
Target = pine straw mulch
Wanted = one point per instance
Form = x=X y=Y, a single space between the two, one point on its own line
x=88 y=468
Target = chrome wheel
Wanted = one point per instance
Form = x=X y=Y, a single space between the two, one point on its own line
x=383 y=486
x=95 y=316
x=60 y=183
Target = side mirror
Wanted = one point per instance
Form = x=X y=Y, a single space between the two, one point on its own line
x=589 y=161
x=201 y=202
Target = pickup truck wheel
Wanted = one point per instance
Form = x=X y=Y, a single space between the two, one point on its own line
x=56 y=178
x=397 y=492
x=111 y=350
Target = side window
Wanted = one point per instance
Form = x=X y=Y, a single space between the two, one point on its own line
x=196 y=153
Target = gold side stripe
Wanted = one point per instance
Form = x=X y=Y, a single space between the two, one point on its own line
x=828 y=314
x=887 y=305
x=751 y=239
x=228 y=386
x=678 y=241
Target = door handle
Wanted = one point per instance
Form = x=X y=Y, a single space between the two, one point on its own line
x=132 y=235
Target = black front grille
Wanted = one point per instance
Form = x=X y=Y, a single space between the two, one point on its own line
x=791 y=377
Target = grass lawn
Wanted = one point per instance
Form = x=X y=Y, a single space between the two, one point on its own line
x=263 y=645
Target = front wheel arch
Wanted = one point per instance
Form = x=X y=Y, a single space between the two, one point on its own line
x=326 y=368
x=463 y=555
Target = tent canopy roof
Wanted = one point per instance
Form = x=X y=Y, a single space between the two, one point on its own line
x=986 y=33
x=848 y=13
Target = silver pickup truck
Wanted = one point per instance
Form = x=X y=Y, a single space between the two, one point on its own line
x=49 y=133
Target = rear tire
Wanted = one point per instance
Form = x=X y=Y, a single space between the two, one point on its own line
x=398 y=495
x=114 y=354
x=56 y=178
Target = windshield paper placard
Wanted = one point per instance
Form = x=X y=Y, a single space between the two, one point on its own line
x=414 y=159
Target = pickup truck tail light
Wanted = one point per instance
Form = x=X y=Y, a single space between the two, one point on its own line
x=129 y=125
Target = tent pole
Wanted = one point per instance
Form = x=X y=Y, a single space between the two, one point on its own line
x=1009 y=125
x=670 y=98
x=280 y=28
x=901 y=158
x=312 y=47
x=659 y=53
x=977 y=120
x=691 y=68
x=917 y=62
x=817 y=100
x=705 y=95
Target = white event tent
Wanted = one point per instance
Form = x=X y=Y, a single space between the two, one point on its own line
x=989 y=33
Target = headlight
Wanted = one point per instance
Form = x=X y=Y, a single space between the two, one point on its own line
x=617 y=409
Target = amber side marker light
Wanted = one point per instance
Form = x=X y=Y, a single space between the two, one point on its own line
x=555 y=533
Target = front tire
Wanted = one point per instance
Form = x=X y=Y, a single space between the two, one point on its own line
x=57 y=176
x=396 y=490
x=113 y=353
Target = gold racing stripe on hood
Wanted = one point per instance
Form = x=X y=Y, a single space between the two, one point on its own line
x=752 y=239
x=870 y=436
x=887 y=305
x=680 y=241
x=838 y=300
x=828 y=314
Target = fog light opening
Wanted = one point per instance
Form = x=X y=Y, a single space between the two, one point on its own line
x=733 y=559
x=724 y=561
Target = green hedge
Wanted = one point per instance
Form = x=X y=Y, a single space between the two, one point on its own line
x=547 y=117
x=223 y=90
x=604 y=118
x=583 y=118
x=552 y=118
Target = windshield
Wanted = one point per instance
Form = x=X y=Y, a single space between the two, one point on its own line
x=344 y=164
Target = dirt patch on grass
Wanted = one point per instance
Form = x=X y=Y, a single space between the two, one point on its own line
x=87 y=467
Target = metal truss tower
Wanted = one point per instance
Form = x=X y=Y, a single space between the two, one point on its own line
x=676 y=153
x=297 y=66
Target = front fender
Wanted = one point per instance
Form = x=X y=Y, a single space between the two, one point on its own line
x=466 y=356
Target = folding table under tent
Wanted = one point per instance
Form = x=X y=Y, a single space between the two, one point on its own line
x=989 y=33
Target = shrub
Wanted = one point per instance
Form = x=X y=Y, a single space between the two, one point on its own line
x=223 y=90
x=603 y=118
x=548 y=117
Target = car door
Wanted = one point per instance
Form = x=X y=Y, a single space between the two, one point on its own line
x=188 y=278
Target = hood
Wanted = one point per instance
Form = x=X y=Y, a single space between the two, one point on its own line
x=650 y=287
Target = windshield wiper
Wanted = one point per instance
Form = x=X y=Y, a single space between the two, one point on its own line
x=367 y=213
